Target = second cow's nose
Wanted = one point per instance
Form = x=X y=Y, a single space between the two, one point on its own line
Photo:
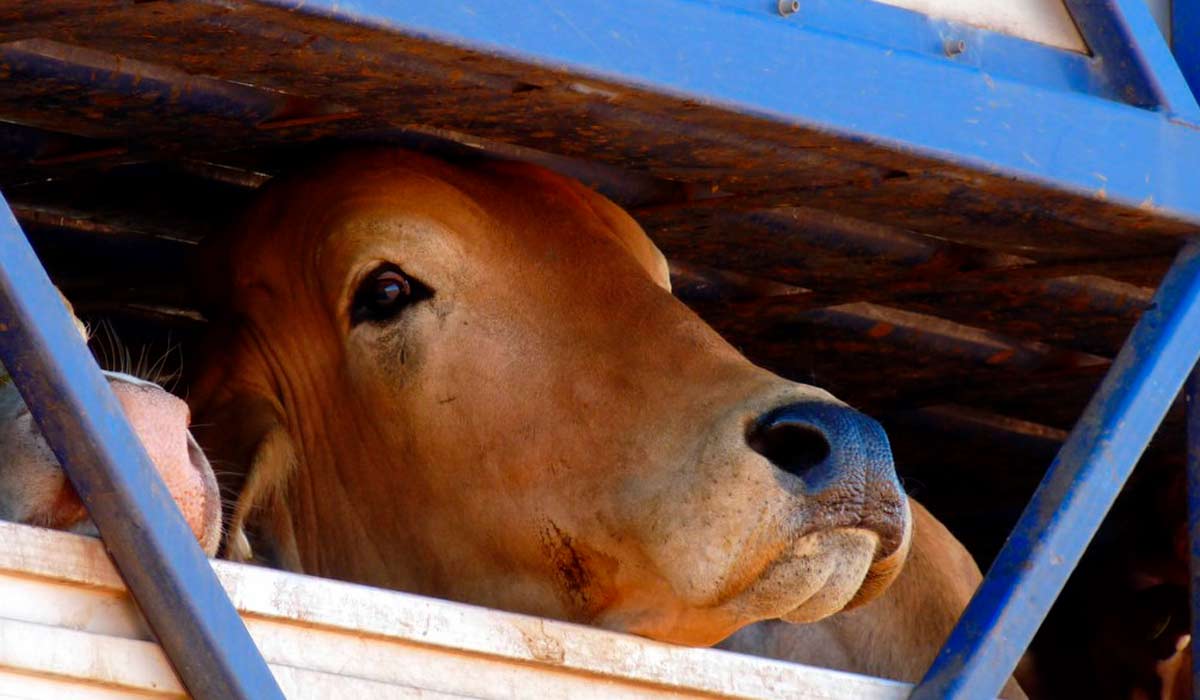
x=821 y=443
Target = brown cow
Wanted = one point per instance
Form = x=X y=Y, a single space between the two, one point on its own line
x=475 y=384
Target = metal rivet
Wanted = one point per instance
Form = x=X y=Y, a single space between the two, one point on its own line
x=788 y=7
x=954 y=47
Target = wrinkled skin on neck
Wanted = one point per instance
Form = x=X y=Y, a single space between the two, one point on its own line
x=549 y=432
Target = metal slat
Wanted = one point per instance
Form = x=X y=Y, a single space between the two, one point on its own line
x=142 y=528
x=1077 y=492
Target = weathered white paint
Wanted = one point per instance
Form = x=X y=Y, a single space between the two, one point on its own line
x=32 y=687
x=68 y=629
x=128 y=664
x=1043 y=21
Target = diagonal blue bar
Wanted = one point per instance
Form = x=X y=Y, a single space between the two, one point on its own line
x=1078 y=490
x=143 y=530
x=1135 y=55
x=1192 y=395
x=1185 y=42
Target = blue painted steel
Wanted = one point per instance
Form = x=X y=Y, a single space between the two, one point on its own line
x=1192 y=396
x=1185 y=41
x=154 y=548
x=1160 y=10
x=1124 y=36
x=1076 y=493
x=998 y=55
x=779 y=69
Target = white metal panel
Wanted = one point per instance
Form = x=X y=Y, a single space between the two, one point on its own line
x=1043 y=21
x=129 y=664
x=25 y=686
x=74 y=624
x=68 y=605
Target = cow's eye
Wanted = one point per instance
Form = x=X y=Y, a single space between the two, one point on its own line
x=383 y=294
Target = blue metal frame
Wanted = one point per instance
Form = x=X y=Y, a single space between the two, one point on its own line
x=1185 y=40
x=1192 y=396
x=998 y=55
x=782 y=69
x=1122 y=125
x=1076 y=494
x=1124 y=36
x=83 y=423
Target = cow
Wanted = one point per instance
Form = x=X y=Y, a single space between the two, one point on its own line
x=474 y=383
x=34 y=490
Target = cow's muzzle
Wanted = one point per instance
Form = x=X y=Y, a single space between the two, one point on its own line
x=843 y=463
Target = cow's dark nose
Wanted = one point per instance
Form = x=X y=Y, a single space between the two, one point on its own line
x=822 y=443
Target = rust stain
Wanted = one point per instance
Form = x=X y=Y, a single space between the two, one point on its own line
x=305 y=120
x=542 y=646
x=1079 y=303
x=80 y=156
x=1001 y=357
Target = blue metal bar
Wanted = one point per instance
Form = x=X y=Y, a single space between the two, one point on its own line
x=1160 y=10
x=145 y=533
x=1124 y=36
x=1076 y=493
x=1192 y=396
x=782 y=71
x=1185 y=41
x=994 y=53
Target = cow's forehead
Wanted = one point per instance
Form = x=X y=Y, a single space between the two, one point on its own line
x=309 y=216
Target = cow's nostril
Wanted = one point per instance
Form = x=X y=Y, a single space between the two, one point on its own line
x=793 y=446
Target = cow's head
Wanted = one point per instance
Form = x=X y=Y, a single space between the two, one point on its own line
x=475 y=383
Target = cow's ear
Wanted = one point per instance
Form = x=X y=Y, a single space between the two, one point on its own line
x=246 y=438
x=884 y=571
